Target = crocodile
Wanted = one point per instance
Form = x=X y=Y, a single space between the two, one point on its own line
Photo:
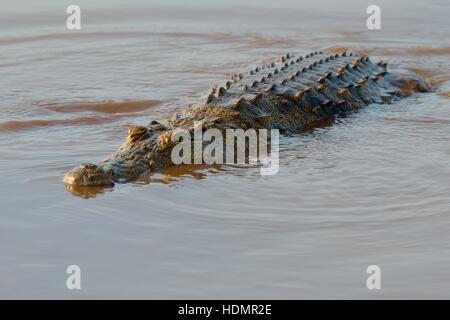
x=291 y=94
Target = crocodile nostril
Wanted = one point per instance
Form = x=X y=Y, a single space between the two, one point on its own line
x=89 y=166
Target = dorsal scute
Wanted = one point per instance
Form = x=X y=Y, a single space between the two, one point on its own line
x=313 y=70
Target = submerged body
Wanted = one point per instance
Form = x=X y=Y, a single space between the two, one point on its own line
x=291 y=94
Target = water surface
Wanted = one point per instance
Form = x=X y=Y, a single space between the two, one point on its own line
x=371 y=189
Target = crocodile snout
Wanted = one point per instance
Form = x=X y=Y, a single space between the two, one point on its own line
x=88 y=175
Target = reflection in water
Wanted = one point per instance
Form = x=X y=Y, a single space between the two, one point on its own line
x=174 y=174
x=88 y=192
x=319 y=124
x=103 y=107
x=20 y=125
x=167 y=176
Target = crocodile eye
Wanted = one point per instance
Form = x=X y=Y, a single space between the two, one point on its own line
x=136 y=133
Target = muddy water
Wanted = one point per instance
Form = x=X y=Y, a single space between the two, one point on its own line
x=371 y=189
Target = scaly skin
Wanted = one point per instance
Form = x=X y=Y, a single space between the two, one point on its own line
x=290 y=94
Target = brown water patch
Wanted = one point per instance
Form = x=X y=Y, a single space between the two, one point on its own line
x=336 y=49
x=445 y=94
x=418 y=51
x=171 y=174
x=219 y=37
x=257 y=41
x=88 y=192
x=20 y=125
x=430 y=51
x=434 y=77
x=427 y=74
x=210 y=69
x=104 y=107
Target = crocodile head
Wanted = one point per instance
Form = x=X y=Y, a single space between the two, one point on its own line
x=89 y=174
x=134 y=158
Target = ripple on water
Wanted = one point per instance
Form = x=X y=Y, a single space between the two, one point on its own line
x=372 y=188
